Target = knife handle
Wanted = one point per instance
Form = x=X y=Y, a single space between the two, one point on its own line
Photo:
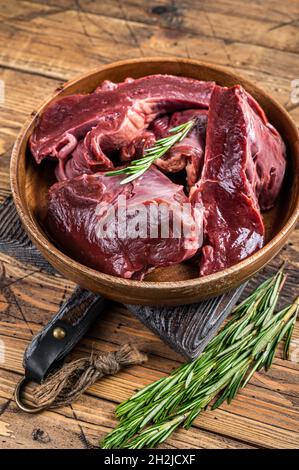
x=62 y=333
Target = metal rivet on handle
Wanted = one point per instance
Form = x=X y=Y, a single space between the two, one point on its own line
x=59 y=333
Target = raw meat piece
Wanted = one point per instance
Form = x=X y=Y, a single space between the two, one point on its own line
x=136 y=147
x=243 y=172
x=80 y=207
x=110 y=118
x=189 y=152
x=160 y=126
x=157 y=129
x=233 y=227
x=266 y=169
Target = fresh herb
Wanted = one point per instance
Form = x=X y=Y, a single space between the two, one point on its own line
x=161 y=146
x=247 y=343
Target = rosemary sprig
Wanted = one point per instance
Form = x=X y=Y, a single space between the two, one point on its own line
x=246 y=343
x=161 y=146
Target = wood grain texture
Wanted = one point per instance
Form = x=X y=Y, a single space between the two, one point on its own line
x=44 y=43
x=188 y=328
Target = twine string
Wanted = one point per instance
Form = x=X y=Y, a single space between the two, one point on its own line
x=73 y=378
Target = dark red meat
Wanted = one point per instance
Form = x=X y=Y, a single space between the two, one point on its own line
x=266 y=167
x=136 y=147
x=109 y=119
x=160 y=126
x=78 y=208
x=234 y=160
x=189 y=153
x=241 y=148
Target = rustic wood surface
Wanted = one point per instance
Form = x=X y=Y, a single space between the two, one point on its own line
x=44 y=44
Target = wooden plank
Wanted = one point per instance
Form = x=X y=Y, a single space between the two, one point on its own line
x=22 y=93
x=32 y=296
x=63 y=43
x=84 y=424
x=98 y=414
x=263 y=435
x=270 y=27
x=269 y=10
x=128 y=381
x=279 y=381
x=38 y=431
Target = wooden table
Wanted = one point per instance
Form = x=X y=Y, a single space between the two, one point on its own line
x=44 y=43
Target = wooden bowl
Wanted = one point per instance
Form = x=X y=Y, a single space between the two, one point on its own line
x=176 y=284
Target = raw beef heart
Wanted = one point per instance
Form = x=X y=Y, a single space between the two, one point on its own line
x=84 y=131
x=80 y=220
x=241 y=147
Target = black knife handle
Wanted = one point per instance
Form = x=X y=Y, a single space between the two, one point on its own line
x=62 y=333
